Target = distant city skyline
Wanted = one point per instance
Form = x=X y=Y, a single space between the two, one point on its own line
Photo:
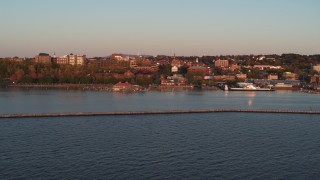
x=183 y=27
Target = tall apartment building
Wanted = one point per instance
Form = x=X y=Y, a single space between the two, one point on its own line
x=221 y=63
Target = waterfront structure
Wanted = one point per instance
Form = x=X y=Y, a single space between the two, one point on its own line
x=167 y=82
x=283 y=86
x=274 y=82
x=119 y=87
x=177 y=79
x=221 y=63
x=43 y=58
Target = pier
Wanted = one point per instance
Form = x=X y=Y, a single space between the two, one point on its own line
x=79 y=114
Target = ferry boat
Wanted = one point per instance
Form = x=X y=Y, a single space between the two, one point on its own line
x=249 y=87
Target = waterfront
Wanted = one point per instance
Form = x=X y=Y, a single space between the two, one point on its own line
x=176 y=146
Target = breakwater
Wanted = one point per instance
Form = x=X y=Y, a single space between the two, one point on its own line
x=157 y=113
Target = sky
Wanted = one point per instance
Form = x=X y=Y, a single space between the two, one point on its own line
x=159 y=27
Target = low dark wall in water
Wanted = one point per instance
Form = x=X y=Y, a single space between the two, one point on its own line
x=156 y=112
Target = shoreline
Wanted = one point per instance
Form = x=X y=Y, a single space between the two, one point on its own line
x=103 y=87
x=108 y=88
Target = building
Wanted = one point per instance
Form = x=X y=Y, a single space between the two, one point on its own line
x=120 y=87
x=265 y=67
x=224 y=78
x=167 y=82
x=18 y=59
x=174 y=69
x=80 y=60
x=234 y=67
x=315 y=79
x=176 y=62
x=133 y=63
x=273 y=77
x=62 y=60
x=290 y=76
x=128 y=74
x=241 y=76
x=120 y=57
x=221 y=63
x=43 y=58
x=317 y=68
x=177 y=79
x=71 y=59
x=146 y=69
x=197 y=69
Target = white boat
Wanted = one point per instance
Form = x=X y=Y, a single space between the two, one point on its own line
x=249 y=87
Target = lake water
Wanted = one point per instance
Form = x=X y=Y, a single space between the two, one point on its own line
x=54 y=101
x=185 y=146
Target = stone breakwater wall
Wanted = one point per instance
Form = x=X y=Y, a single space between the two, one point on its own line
x=75 y=114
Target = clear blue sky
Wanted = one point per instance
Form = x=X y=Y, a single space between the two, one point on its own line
x=184 y=27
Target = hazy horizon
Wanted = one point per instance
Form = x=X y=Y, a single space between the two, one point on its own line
x=183 y=27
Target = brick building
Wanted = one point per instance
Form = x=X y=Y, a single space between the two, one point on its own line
x=221 y=63
x=43 y=58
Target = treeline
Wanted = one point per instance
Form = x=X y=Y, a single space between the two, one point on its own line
x=30 y=72
x=111 y=71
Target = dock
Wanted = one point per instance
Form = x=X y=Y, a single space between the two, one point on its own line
x=79 y=114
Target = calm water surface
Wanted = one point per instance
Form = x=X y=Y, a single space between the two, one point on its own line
x=186 y=146
x=42 y=101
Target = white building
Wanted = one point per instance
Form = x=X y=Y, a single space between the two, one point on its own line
x=174 y=69
x=71 y=59
x=81 y=60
